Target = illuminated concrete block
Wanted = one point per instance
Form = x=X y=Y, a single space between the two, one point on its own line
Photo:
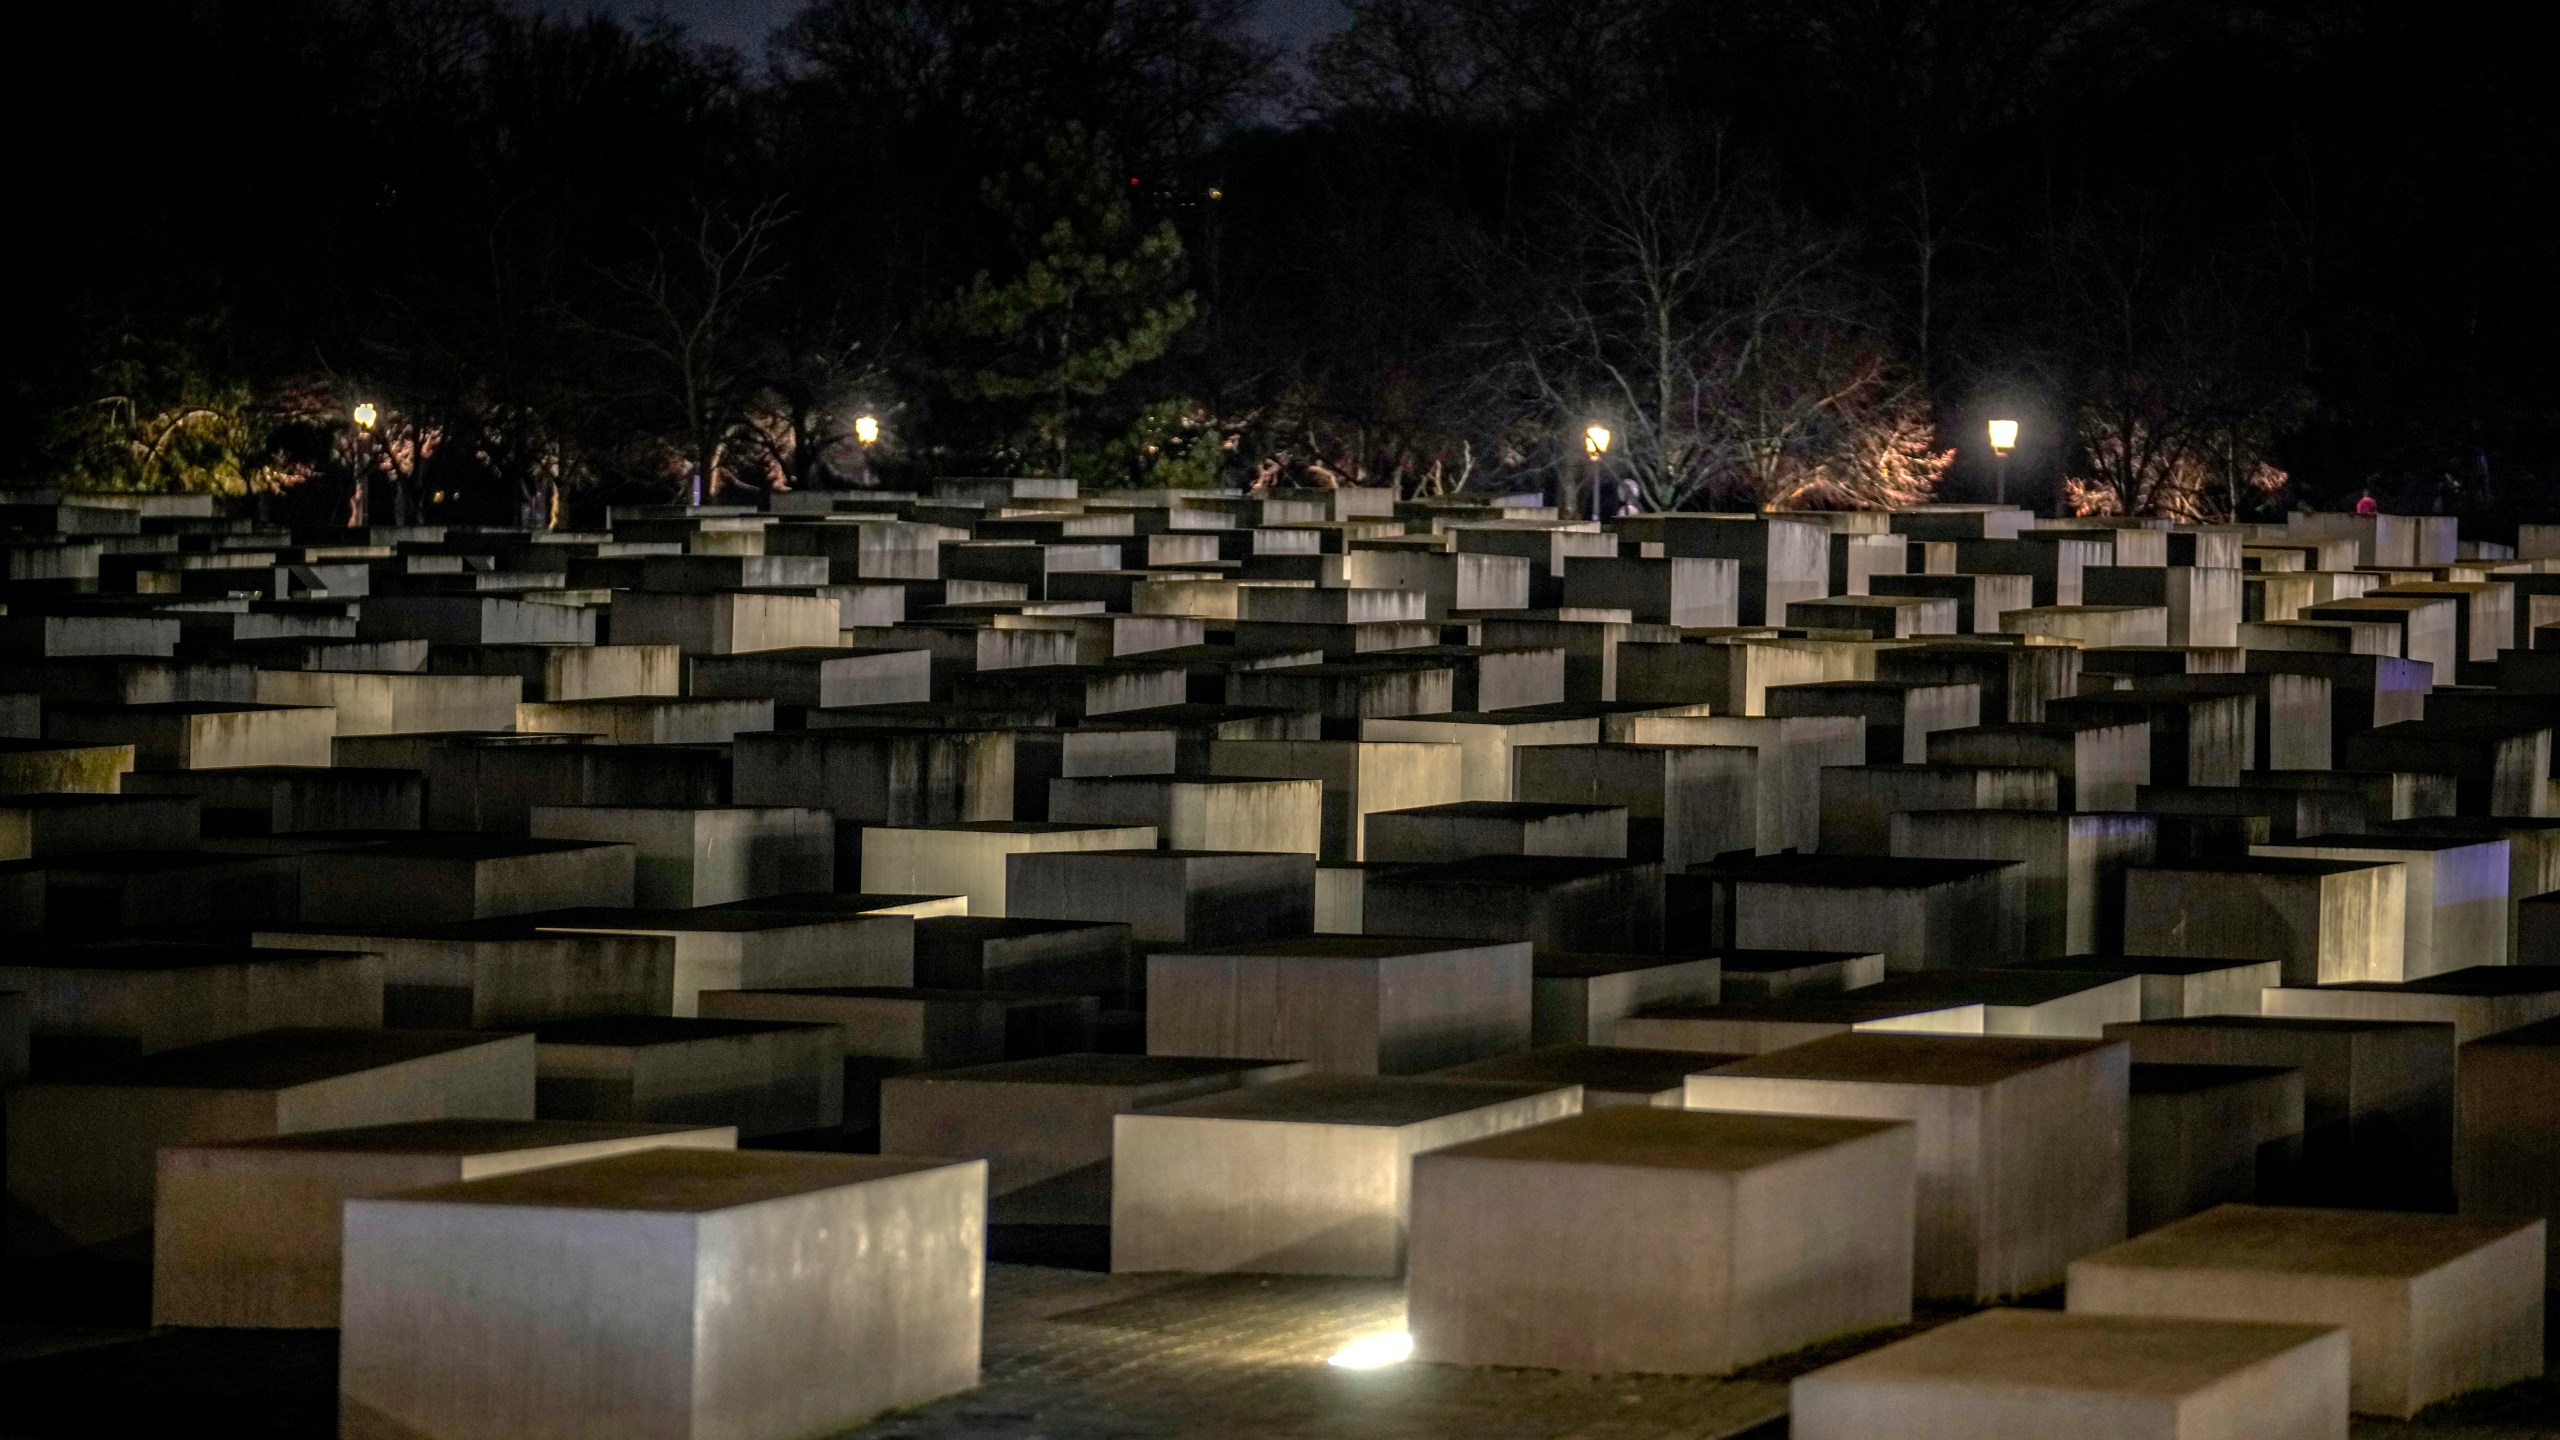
x=1919 y=913
x=441 y=879
x=2022 y=1142
x=680 y=1293
x=2434 y=1305
x=388 y=703
x=2324 y=921
x=2377 y=1098
x=2175 y=987
x=1199 y=814
x=1599 y=906
x=817 y=678
x=2097 y=764
x=979 y=952
x=1178 y=897
x=2016 y=679
x=2063 y=891
x=1789 y=754
x=1044 y=1126
x=1610 y=1075
x=114 y=1002
x=2510 y=1123
x=2204 y=1135
x=2455 y=904
x=1360 y=777
x=2477 y=1001
x=1899 y=716
x=1859 y=801
x=63 y=767
x=1755 y=1027
x=1489 y=742
x=490 y=974
x=1470 y=828
x=647 y=720
x=728 y=623
x=82 y=1151
x=764 y=1077
x=1352 y=1004
x=2035 y=1374
x=2017 y=1001
x=971 y=858
x=1683 y=803
x=1301 y=1177
x=200 y=734
x=1728 y=1239
x=930 y=1029
x=1781 y=974
x=694 y=855
x=1579 y=998
x=247 y=1231
x=723 y=948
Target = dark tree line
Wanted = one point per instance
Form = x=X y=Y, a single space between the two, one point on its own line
x=2216 y=257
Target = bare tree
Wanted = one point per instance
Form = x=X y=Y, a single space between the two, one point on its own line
x=1718 y=336
x=687 y=309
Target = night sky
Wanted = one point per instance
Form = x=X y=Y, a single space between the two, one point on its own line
x=745 y=23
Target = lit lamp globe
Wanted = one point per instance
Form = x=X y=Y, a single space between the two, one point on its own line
x=866 y=429
x=1595 y=441
x=2004 y=436
x=365 y=415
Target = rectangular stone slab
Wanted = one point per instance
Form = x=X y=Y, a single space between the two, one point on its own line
x=1610 y=1076
x=2022 y=1142
x=1356 y=1005
x=2204 y=1135
x=2036 y=1375
x=764 y=1077
x=491 y=974
x=247 y=1233
x=2477 y=1001
x=2434 y=1305
x=1579 y=998
x=113 y=1001
x=1038 y=1122
x=721 y=949
x=1659 y=1241
x=678 y=1293
x=83 y=1153
x=1301 y=1177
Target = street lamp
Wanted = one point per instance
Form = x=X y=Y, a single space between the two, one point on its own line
x=364 y=415
x=1595 y=444
x=866 y=429
x=2004 y=438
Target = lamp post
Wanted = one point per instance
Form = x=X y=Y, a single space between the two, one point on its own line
x=2004 y=438
x=364 y=415
x=1595 y=445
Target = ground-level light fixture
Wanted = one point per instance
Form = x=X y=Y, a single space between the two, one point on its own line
x=1595 y=440
x=2004 y=436
x=365 y=415
x=1374 y=1352
x=866 y=428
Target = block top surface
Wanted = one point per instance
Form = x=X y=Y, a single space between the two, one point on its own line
x=1018 y=827
x=2303 y=1026
x=164 y=957
x=2266 y=865
x=1573 y=965
x=979 y=929
x=633 y=1031
x=1954 y=1060
x=1652 y=1137
x=636 y=921
x=1503 y=810
x=1386 y=1102
x=914 y=995
x=1343 y=947
x=281 y=1059
x=683 y=1182
x=2387 y=844
x=2288 y=1241
x=2469 y=980
x=2051 y=1350
x=458 y=1137
x=426 y=845
x=1989 y=987
x=829 y=903
x=2173 y=1078
x=1850 y=872
x=1772 y=962
x=2140 y=964
x=1848 y=1008
x=1104 y=1071
x=1619 y=1069
x=1141 y=856
x=1514 y=871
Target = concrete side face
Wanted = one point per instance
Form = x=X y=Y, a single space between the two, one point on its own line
x=1278 y=1197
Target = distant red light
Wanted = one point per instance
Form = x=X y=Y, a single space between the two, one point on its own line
x=1133 y=179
